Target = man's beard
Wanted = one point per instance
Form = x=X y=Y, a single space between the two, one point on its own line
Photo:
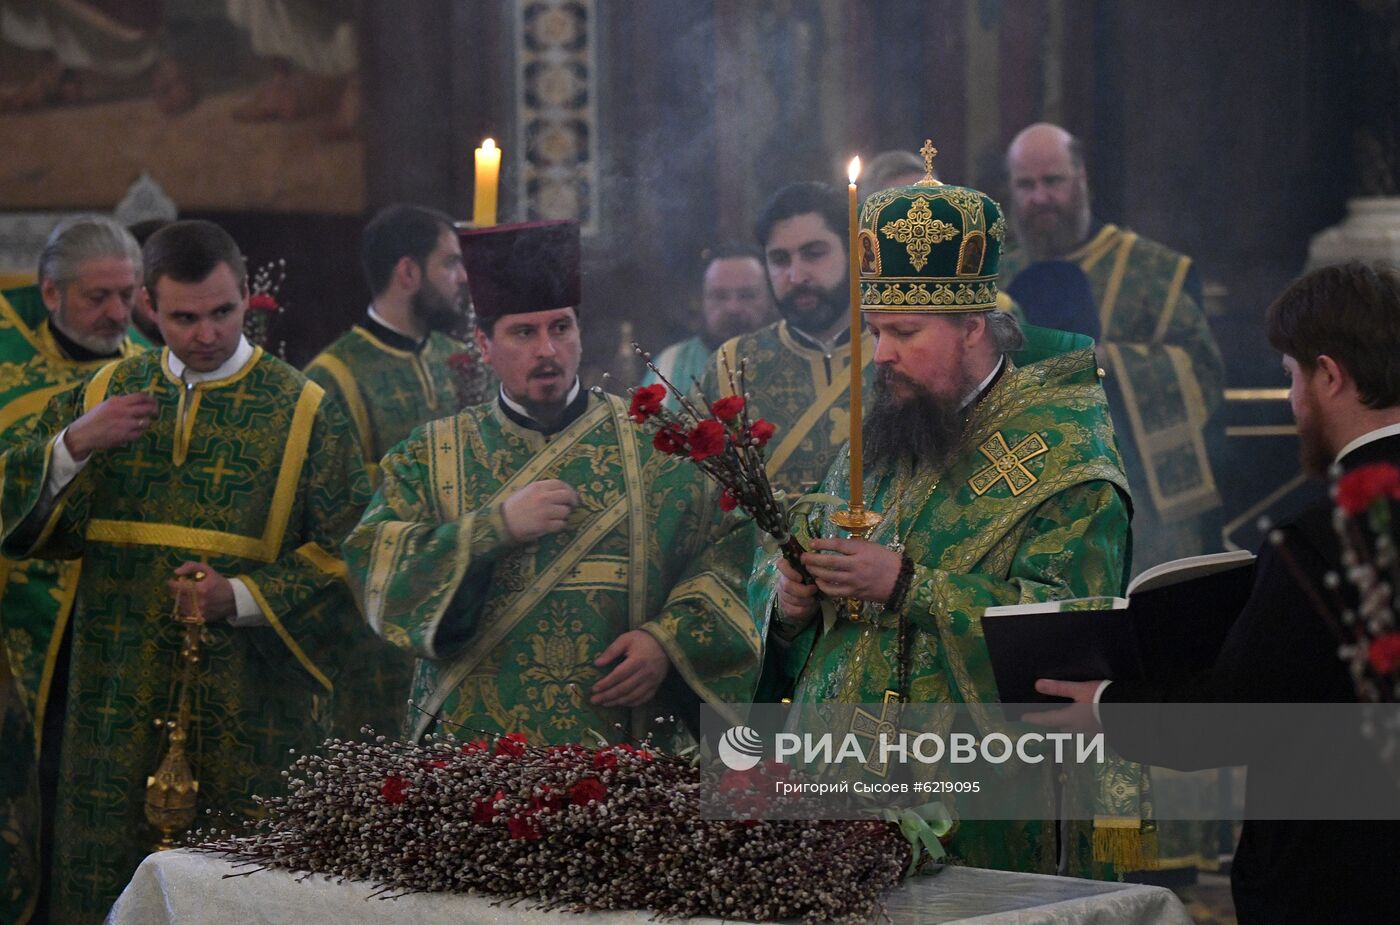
x=98 y=342
x=436 y=311
x=922 y=428
x=831 y=305
x=1312 y=448
x=1046 y=242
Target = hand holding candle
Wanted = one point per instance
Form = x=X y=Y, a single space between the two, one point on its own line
x=488 y=172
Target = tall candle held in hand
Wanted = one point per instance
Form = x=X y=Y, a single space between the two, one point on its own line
x=488 y=172
x=857 y=499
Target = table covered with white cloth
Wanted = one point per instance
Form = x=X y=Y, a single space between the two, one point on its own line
x=190 y=888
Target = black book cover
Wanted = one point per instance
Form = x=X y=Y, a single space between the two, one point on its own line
x=1162 y=633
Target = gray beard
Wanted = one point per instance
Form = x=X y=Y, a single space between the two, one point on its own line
x=93 y=342
x=1048 y=245
x=922 y=430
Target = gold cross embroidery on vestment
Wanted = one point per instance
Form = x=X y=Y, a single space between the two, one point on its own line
x=1008 y=464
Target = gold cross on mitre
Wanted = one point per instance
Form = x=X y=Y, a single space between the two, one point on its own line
x=877 y=729
x=929 y=152
x=1008 y=464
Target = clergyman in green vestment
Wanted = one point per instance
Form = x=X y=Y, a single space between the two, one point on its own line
x=798 y=367
x=1165 y=378
x=734 y=300
x=997 y=482
x=389 y=374
x=554 y=573
x=208 y=467
x=52 y=335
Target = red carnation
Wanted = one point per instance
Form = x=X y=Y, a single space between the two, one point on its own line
x=736 y=781
x=461 y=362
x=394 y=789
x=706 y=439
x=588 y=790
x=1362 y=486
x=1384 y=653
x=728 y=408
x=547 y=799
x=604 y=759
x=263 y=302
x=727 y=500
x=669 y=440
x=646 y=401
x=761 y=432
x=484 y=811
x=523 y=827
x=433 y=763
x=512 y=745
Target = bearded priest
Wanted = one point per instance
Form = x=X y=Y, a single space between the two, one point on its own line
x=990 y=455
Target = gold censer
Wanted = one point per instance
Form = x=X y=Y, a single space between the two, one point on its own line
x=172 y=791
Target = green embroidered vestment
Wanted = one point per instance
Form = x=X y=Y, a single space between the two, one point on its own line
x=385 y=392
x=804 y=392
x=35 y=596
x=506 y=633
x=1165 y=373
x=252 y=474
x=1051 y=521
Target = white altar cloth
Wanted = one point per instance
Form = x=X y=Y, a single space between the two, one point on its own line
x=188 y=888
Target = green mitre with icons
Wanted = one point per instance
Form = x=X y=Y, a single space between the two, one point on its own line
x=929 y=247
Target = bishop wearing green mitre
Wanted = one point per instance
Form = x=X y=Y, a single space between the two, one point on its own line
x=991 y=458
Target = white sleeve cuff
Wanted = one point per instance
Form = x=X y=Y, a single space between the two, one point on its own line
x=63 y=468
x=1098 y=695
x=248 y=613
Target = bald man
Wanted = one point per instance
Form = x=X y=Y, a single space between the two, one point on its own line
x=1165 y=377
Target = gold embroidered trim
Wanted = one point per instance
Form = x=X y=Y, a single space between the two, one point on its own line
x=8 y=312
x=96 y=391
x=599 y=573
x=286 y=637
x=1115 y=282
x=1095 y=249
x=136 y=533
x=322 y=560
x=1183 y=266
x=947 y=295
x=29 y=404
x=354 y=402
x=69 y=572
x=636 y=520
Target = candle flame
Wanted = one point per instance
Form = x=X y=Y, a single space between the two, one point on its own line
x=489 y=144
x=854 y=170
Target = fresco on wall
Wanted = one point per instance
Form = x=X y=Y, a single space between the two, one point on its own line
x=233 y=105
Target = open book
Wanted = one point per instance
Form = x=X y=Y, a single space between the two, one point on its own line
x=1172 y=623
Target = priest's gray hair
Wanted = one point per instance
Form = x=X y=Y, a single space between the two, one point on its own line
x=82 y=238
x=1004 y=329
